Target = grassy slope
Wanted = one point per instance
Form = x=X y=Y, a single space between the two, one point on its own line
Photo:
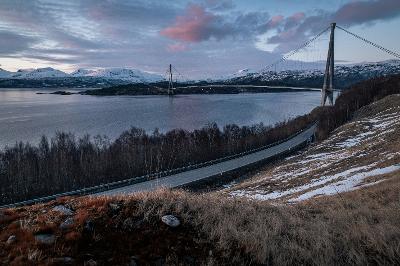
x=367 y=144
x=358 y=227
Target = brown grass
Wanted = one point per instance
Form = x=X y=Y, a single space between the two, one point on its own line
x=360 y=227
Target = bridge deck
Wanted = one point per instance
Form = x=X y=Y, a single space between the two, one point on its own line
x=199 y=174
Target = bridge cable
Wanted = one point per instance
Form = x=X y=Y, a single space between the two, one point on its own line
x=304 y=45
x=371 y=43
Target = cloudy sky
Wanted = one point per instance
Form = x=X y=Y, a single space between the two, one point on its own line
x=200 y=38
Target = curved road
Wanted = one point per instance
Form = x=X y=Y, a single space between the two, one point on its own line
x=203 y=173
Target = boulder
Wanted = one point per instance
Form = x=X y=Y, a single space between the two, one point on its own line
x=47 y=239
x=170 y=220
x=11 y=239
x=67 y=223
x=63 y=210
x=63 y=261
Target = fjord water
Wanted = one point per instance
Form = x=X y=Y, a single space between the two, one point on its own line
x=26 y=116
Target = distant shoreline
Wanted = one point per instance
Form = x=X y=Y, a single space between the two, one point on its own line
x=190 y=90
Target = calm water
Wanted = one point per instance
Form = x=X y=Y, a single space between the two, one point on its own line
x=26 y=116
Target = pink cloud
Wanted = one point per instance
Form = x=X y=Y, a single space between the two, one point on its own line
x=298 y=16
x=275 y=21
x=192 y=26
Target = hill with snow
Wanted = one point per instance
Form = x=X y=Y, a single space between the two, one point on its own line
x=39 y=73
x=359 y=154
x=345 y=75
x=132 y=75
x=50 y=77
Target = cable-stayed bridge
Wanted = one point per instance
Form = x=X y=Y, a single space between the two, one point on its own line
x=327 y=88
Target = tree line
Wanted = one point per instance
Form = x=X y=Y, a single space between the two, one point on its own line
x=66 y=162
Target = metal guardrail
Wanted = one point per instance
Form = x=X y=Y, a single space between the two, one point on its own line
x=139 y=179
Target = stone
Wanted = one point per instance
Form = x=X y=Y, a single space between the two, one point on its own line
x=47 y=239
x=170 y=220
x=69 y=222
x=63 y=261
x=114 y=206
x=90 y=262
x=63 y=210
x=11 y=239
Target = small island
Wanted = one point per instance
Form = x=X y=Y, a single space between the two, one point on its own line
x=58 y=93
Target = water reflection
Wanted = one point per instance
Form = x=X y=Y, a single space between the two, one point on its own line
x=25 y=115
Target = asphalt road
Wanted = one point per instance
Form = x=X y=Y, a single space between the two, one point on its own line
x=195 y=175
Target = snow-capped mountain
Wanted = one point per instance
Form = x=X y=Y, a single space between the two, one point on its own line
x=5 y=73
x=39 y=73
x=81 y=72
x=122 y=74
x=344 y=75
x=132 y=75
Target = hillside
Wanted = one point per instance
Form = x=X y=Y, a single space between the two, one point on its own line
x=358 y=154
x=337 y=203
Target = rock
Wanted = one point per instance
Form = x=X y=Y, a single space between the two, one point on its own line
x=64 y=210
x=170 y=220
x=69 y=222
x=115 y=207
x=90 y=262
x=63 y=261
x=47 y=239
x=11 y=239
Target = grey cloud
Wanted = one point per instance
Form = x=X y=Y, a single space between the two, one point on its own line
x=12 y=43
x=290 y=35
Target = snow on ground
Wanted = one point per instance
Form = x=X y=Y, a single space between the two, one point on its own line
x=351 y=158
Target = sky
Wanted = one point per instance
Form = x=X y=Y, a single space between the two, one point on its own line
x=204 y=38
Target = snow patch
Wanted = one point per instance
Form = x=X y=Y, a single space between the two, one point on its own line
x=347 y=184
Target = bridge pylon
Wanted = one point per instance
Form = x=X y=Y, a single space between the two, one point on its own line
x=328 y=87
x=171 y=82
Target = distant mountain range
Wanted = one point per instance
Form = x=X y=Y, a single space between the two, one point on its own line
x=50 y=77
x=345 y=75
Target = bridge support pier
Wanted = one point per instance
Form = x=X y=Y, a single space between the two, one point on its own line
x=171 y=83
x=327 y=89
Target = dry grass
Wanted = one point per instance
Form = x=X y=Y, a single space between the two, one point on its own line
x=369 y=142
x=359 y=227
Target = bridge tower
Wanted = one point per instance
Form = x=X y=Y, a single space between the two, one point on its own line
x=171 y=82
x=327 y=89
